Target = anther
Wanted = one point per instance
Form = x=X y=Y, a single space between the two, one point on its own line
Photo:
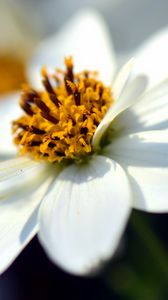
x=26 y=107
x=59 y=153
x=42 y=105
x=100 y=91
x=69 y=74
x=67 y=86
x=48 y=117
x=23 y=126
x=84 y=130
x=26 y=99
x=50 y=90
x=34 y=143
x=54 y=99
x=51 y=145
x=47 y=85
x=32 y=129
x=77 y=97
x=36 y=130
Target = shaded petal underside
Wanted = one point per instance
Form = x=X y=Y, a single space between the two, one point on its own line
x=128 y=98
x=144 y=157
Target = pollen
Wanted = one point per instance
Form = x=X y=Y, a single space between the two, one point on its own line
x=59 y=121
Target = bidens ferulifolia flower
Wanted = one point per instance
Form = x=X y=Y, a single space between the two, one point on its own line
x=89 y=153
x=67 y=126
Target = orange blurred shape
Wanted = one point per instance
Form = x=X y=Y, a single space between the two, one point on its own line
x=12 y=73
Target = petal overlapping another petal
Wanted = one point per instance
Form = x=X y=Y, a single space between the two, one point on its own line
x=150 y=113
x=144 y=157
x=18 y=222
x=130 y=96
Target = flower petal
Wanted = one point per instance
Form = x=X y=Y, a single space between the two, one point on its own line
x=130 y=96
x=150 y=113
x=9 y=111
x=18 y=223
x=85 y=37
x=151 y=58
x=84 y=214
x=22 y=169
x=121 y=79
x=144 y=157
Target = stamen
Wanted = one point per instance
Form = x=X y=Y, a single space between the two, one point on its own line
x=27 y=108
x=59 y=122
x=27 y=99
x=34 y=143
x=44 y=108
x=67 y=86
x=84 y=130
x=77 y=97
x=51 y=145
x=54 y=99
x=69 y=65
x=47 y=85
x=36 y=130
x=48 y=117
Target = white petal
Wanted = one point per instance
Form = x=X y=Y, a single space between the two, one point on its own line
x=18 y=224
x=150 y=113
x=130 y=96
x=84 y=214
x=144 y=156
x=9 y=111
x=22 y=169
x=85 y=37
x=151 y=58
x=121 y=79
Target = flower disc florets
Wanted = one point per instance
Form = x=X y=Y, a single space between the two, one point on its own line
x=61 y=120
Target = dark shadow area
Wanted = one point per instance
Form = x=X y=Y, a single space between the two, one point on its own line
x=132 y=274
x=33 y=276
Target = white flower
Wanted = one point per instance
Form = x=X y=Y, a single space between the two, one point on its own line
x=80 y=211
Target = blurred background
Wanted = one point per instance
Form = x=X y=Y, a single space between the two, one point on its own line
x=139 y=271
x=23 y=23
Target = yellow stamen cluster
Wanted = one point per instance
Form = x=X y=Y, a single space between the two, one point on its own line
x=61 y=120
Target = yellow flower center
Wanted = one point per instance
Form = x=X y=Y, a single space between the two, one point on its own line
x=61 y=120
